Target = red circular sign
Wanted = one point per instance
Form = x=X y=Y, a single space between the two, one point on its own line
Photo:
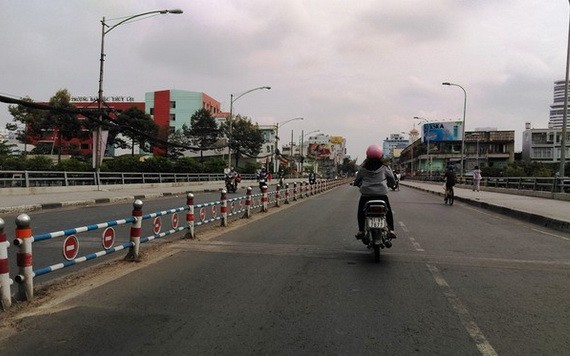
x=202 y=214
x=108 y=238
x=156 y=225
x=174 y=221
x=70 y=247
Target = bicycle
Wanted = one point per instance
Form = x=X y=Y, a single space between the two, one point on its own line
x=449 y=196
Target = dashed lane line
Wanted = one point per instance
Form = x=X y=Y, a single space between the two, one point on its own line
x=467 y=321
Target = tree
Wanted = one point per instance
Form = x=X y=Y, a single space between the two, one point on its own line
x=66 y=125
x=177 y=141
x=27 y=116
x=134 y=124
x=57 y=120
x=246 y=138
x=204 y=131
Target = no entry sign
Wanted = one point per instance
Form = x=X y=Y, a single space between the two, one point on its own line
x=108 y=238
x=70 y=247
x=174 y=221
x=157 y=224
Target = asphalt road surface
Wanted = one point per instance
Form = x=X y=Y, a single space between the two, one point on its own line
x=458 y=281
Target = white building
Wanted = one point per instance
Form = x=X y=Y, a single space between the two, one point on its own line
x=543 y=145
x=557 y=107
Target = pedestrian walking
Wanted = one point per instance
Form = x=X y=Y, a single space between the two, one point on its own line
x=476 y=178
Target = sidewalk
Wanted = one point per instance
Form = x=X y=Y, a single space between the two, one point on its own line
x=551 y=213
x=58 y=198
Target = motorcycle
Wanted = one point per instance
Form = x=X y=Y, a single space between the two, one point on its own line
x=312 y=178
x=376 y=227
x=262 y=179
x=231 y=185
x=396 y=185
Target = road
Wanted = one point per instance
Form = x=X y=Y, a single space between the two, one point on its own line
x=458 y=280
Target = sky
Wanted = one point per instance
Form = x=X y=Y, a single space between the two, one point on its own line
x=358 y=69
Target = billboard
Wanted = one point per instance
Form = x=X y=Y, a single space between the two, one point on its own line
x=319 y=150
x=442 y=131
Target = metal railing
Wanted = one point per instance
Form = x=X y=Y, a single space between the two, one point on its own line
x=542 y=184
x=28 y=179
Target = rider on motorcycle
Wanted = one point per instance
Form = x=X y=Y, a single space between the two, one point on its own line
x=312 y=177
x=231 y=178
x=373 y=178
x=262 y=177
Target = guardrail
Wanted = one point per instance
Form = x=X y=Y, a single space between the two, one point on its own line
x=28 y=179
x=195 y=215
x=542 y=184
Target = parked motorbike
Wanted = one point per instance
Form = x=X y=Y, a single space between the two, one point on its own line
x=376 y=227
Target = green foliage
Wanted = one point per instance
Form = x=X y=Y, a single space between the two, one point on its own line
x=158 y=164
x=214 y=165
x=13 y=163
x=187 y=165
x=39 y=163
x=246 y=138
x=530 y=169
x=73 y=165
x=204 y=131
x=135 y=125
x=123 y=164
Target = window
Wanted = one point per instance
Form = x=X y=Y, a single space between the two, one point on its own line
x=173 y=104
x=172 y=117
x=152 y=111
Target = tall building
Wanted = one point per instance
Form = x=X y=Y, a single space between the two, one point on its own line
x=394 y=145
x=171 y=109
x=557 y=107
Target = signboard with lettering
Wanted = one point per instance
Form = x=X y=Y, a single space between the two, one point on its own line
x=442 y=131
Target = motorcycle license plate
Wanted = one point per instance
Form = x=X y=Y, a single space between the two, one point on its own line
x=375 y=222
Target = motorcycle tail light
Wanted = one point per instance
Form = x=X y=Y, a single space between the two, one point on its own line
x=377 y=210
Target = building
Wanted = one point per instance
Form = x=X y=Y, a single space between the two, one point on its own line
x=543 y=145
x=557 y=107
x=171 y=109
x=441 y=143
x=394 y=145
x=84 y=145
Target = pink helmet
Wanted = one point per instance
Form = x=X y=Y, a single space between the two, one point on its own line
x=374 y=151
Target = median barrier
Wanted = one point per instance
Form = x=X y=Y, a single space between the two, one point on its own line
x=196 y=215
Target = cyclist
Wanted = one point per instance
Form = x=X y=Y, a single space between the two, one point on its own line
x=373 y=178
x=450 y=178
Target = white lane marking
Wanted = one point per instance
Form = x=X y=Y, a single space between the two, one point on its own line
x=469 y=324
x=416 y=245
x=520 y=224
x=550 y=234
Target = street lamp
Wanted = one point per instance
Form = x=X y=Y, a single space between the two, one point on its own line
x=105 y=29
x=232 y=100
x=463 y=125
x=276 y=163
x=425 y=121
x=565 y=115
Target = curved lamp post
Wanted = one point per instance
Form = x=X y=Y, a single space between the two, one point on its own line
x=105 y=29
x=425 y=121
x=232 y=100
x=463 y=125
x=276 y=164
x=565 y=115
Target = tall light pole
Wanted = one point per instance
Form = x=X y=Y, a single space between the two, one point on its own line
x=463 y=125
x=276 y=163
x=425 y=121
x=105 y=29
x=565 y=115
x=230 y=119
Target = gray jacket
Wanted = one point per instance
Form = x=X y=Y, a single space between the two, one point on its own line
x=373 y=183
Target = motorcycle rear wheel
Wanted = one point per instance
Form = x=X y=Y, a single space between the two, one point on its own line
x=376 y=247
